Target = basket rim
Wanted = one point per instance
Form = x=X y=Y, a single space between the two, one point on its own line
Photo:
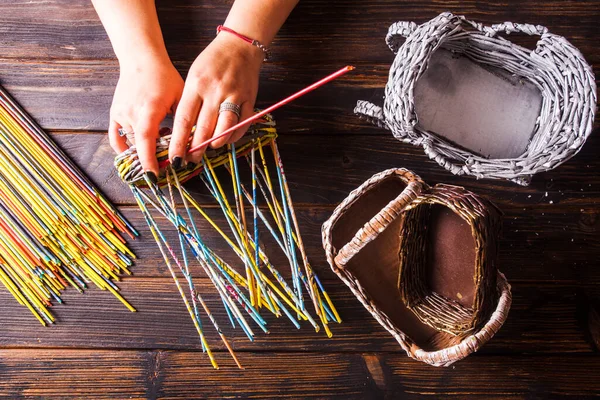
x=449 y=355
x=412 y=180
x=474 y=341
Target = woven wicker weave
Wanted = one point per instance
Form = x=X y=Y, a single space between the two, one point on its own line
x=484 y=220
x=381 y=241
x=565 y=81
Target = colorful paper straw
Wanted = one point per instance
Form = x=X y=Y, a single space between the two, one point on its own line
x=56 y=229
x=261 y=285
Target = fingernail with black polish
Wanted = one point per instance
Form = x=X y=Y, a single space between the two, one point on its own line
x=151 y=176
x=191 y=166
x=177 y=162
x=164 y=131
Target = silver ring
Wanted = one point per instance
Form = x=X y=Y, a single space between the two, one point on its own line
x=123 y=132
x=229 y=106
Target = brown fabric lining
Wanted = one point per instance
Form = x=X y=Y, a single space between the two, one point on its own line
x=450 y=256
x=377 y=267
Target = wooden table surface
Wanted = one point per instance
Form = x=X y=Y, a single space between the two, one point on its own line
x=56 y=60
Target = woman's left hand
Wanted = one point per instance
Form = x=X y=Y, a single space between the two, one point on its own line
x=226 y=71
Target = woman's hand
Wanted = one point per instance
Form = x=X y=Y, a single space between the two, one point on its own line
x=149 y=86
x=226 y=71
x=147 y=91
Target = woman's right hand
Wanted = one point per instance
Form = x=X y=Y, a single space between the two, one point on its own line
x=147 y=91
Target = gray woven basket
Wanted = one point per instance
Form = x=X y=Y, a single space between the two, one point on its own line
x=422 y=260
x=555 y=68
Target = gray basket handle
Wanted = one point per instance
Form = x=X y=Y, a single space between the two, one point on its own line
x=528 y=29
x=505 y=27
x=397 y=32
x=508 y=28
x=371 y=112
x=511 y=27
x=373 y=228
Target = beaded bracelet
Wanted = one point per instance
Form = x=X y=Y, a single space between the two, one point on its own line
x=253 y=42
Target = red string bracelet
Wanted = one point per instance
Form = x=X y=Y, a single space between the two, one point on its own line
x=253 y=42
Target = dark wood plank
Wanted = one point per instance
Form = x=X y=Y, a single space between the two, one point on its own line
x=77 y=94
x=538 y=245
x=372 y=376
x=317 y=31
x=77 y=374
x=543 y=319
x=70 y=73
x=323 y=169
x=52 y=30
x=169 y=375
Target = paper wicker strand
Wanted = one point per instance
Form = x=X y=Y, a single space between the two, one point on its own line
x=255 y=283
x=56 y=229
x=262 y=285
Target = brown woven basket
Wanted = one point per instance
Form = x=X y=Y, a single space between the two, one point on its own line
x=422 y=260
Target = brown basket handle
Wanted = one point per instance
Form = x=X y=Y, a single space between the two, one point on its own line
x=371 y=230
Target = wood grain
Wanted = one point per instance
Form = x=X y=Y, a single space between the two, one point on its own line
x=77 y=94
x=323 y=169
x=375 y=376
x=55 y=373
x=56 y=60
x=69 y=75
x=553 y=247
x=315 y=32
x=64 y=373
x=546 y=318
